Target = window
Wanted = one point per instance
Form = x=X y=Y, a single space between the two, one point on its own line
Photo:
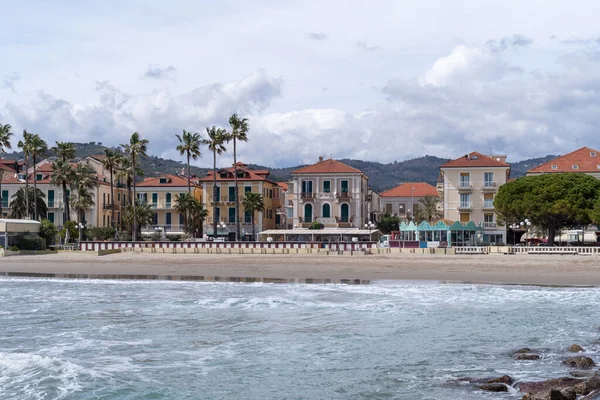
x=218 y=193
x=326 y=211
x=231 y=215
x=307 y=187
x=488 y=200
x=488 y=179
x=247 y=217
x=388 y=208
x=104 y=220
x=218 y=213
x=168 y=199
x=344 y=212
x=247 y=189
x=474 y=157
x=50 y=199
x=241 y=174
x=290 y=212
x=155 y=219
x=231 y=193
x=270 y=193
x=593 y=154
x=168 y=219
x=39 y=177
x=575 y=166
x=344 y=186
x=465 y=200
x=465 y=180
x=154 y=199
x=326 y=186
x=402 y=209
x=223 y=175
x=465 y=217
x=5 y=199
x=488 y=220
x=51 y=217
x=181 y=217
x=163 y=180
x=554 y=166
x=308 y=213
x=103 y=199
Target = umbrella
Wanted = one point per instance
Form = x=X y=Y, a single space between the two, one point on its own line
x=67 y=235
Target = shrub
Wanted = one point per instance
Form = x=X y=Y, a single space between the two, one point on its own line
x=13 y=248
x=73 y=232
x=30 y=241
x=156 y=236
x=101 y=233
x=48 y=231
x=316 y=225
x=124 y=236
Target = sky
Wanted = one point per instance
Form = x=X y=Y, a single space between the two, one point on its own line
x=372 y=80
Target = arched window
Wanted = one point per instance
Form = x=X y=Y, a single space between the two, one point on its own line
x=308 y=211
x=344 y=212
x=326 y=211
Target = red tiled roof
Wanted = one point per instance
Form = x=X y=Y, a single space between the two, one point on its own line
x=173 y=181
x=98 y=157
x=283 y=186
x=405 y=190
x=585 y=159
x=250 y=175
x=474 y=159
x=329 y=166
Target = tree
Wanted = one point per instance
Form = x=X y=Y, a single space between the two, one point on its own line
x=183 y=203
x=215 y=142
x=62 y=172
x=25 y=145
x=595 y=214
x=428 y=206
x=388 y=223
x=82 y=202
x=239 y=131
x=38 y=147
x=197 y=216
x=135 y=149
x=141 y=213
x=48 y=231
x=111 y=162
x=21 y=206
x=5 y=135
x=189 y=144
x=550 y=201
x=253 y=202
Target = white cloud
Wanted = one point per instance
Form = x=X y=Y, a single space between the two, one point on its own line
x=160 y=73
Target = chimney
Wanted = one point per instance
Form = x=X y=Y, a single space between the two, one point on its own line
x=320 y=158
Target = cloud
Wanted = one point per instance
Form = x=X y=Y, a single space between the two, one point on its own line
x=320 y=36
x=156 y=72
x=508 y=42
x=361 y=44
x=10 y=80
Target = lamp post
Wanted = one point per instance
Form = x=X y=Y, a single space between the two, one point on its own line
x=412 y=199
x=221 y=225
x=80 y=227
x=521 y=225
x=370 y=226
x=159 y=229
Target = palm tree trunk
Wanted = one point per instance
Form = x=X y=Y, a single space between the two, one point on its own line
x=67 y=214
x=112 y=203
x=1 y=199
x=237 y=199
x=79 y=225
x=34 y=191
x=27 y=187
x=188 y=173
x=214 y=194
x=253 y=238
x=134 y=230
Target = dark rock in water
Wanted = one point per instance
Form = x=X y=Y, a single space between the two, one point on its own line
x=541 y=390
x=581 y=374
x=595 y=395
x=593 y=383
x=493 y=387
x=503 y=379
x=527 y=356
x=575 y=348
x=579 y=362
x=565 y=394
x=523 y=350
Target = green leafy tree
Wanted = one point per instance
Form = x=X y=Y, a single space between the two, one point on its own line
x=197 y=216
x=62 y=172
x=71 y=226
x=183 y=204
x=111 y=162
x=141 y=213
x=5 y=135
x=21 y=206
x=216 y=144
x=48 y=231
x=252 y=203
x=239 y=132
x=388 y=223
x=135 y=149
x=595 y=214
x=38 y=148
x=550 y=201
x=189 y=144
x=82 y=202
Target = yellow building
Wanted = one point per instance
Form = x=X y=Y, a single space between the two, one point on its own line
x=161 y=193
x=256 y=181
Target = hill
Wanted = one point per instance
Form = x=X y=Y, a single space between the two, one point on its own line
x=381 y=176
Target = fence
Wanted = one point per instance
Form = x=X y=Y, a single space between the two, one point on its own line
x=556 y=250
x=95 y=246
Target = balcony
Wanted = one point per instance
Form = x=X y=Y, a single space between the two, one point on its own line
x=489 y=225
x=106 y=206
x=488 y=205
x=465 y=187
x=307 y=195
x=465 y=207
x=4 y=204
x=489 y=186
x=227 y=199
x=343 y=195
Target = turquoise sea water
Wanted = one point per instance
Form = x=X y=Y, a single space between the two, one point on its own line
x=87 y=339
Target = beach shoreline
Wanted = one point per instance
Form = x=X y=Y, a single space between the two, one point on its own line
x=553 y=270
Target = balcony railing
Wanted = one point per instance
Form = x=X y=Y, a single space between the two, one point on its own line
x=4 y=204
x=465 y=185
x=488 y=204
x=489 y=184
x=489 y=225
x=343 y=195
x=307 y=195
x=465 y=206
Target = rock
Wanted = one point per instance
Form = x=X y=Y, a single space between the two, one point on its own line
x=493 y=387
x=565 y=394
x=507 y=380
x=523 y=350
x=575 y=348
x=595 y=395
x=547 y=385
x=579 y=362
x=581 y=374
x=527 y=356
x=593 y=383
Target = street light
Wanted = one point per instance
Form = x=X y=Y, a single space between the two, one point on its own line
x=370 y=226
x=221 y=225
x=80 y=227
x=520 y=225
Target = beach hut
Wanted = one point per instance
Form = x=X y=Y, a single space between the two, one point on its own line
x=10 y=229
x=442 y=233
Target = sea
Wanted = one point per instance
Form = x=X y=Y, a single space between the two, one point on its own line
x=110 y=339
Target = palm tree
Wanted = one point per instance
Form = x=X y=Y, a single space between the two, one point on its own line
x=197 y=216
x=142 y=213
x=82 y=202
x=25 y=145
x=253 y=202
x=183 y=204
x=239 y=131
x=84 y=177
x=21 y=205
x=5 y=135
x=112 y=162
x=136 y=148
x=189 y=144
x=428 y=206
x=62 y=172
x=215 y=142
x=38 y=147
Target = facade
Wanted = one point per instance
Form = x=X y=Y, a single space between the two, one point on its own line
x=585 y=161
x=255 y=181
x=161 y=193
x=401 y=200
x=331 y=193
x=470 y=185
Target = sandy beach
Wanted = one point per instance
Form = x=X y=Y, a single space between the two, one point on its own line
x=526 y=269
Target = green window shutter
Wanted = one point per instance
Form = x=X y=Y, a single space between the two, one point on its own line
x=154 y=198
x=247 y=217
x=5 y=198
x=231 y=214
x=247 y=189
x=51 y=217
x=344 y=186
x=326 y=186
x=168 y=218
x=231 y=193
x=168 y=197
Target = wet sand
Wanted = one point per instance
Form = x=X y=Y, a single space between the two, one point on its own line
x=492 y=268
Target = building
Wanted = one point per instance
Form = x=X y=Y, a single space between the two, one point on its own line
x=255 y=181
x=401 y=199
x=331 y=193
x=585 y=161
x=470 y=184
x=161 y=193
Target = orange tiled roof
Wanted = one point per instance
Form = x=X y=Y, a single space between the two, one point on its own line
x=474 y=159
x=98 y=157
x=173 y=181
x=250 y=175
x=329 y=166
x=405 y=190
x=283 y=186
x=585 y=159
